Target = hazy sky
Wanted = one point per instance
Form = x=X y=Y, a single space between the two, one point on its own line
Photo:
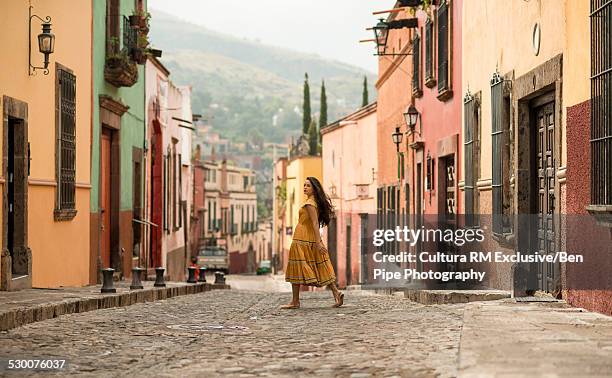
x=330 y=28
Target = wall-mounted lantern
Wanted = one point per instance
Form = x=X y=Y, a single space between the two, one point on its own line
x=381 y=33
x=46 y=43
x=397 y=137
x=411 y=116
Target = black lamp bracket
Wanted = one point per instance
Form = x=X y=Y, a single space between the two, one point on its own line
x=32 y=69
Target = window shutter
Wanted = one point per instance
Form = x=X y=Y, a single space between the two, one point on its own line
x=416 y=66
x=443 y=47
x=470 y=158
x=428 y=49
x=497 y=130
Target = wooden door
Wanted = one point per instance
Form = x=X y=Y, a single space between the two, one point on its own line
x=544 y=118
x=105 y=198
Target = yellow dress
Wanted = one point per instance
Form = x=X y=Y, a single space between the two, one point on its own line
x=308 y=265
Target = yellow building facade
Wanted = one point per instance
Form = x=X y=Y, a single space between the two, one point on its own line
x=45 y=181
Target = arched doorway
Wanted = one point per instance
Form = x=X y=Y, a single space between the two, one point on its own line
x=156 y=190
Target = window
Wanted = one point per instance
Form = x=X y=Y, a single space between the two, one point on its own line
x=113 y=26
x=210 y=227
x=443 y=51
x=182 y=205
x=416 y=66
x=471 y=106
x=601 y=103
x=429 y=185
x=136 y=199
x=65 y=90
x=429 y=44
x=500 y=123
x=168 y=191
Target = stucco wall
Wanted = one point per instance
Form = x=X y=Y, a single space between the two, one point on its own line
x=349 y=157
x=497 y=35
x=59 y=249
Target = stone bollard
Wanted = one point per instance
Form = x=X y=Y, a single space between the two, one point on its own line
x=192 y=277
x=202 y=277
x=220 y=278
x=108 y=286
x=159 y=277
x=136 y=283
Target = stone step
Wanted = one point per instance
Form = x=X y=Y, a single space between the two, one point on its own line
x=78 y=300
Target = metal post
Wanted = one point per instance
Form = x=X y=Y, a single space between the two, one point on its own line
x=220 y=278
x=202 y=277
x=108 y=285
x=192 y=277
x=159 y=277
x=136 y=283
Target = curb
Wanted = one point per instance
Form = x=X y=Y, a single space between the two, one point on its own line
x=431 y=297
x=21 y=316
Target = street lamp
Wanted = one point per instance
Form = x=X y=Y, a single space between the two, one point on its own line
x=411 y=116
x=397 y=137
x=381 y=34
x=46 y=43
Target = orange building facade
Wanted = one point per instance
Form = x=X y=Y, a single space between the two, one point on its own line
x=45 y=180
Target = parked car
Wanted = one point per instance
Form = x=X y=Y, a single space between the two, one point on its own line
x=214 y=258
x=265 y=267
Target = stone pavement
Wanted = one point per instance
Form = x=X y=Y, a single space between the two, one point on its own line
x=243 y=333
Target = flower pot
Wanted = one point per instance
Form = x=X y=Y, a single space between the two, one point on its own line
x=135 y=21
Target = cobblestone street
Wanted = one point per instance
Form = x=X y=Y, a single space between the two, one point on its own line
x=243 y=333
x=181 y=336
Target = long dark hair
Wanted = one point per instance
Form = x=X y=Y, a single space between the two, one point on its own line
x=325 y=209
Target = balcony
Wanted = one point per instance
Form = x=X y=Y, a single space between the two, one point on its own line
x=120 y=68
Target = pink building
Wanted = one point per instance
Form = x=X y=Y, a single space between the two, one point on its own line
x=349 y=168
x=168 y=182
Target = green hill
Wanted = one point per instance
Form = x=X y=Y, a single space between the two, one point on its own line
x=244 y=87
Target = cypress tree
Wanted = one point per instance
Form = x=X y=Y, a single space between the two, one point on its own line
x=313 y=138
x=323 y=115
x=365 y=100
x=307 y=117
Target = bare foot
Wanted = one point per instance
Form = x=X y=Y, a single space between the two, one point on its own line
x=339 y=300
x=290 y=306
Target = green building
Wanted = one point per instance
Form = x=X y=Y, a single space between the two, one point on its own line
x=120 y=29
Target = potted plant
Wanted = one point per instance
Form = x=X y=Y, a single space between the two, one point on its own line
x=119 y=69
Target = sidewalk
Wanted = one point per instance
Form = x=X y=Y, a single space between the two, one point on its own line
x=22 y=307
x=510 y=339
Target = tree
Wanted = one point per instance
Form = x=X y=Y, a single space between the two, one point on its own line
x=365 y=100
x=323 y=112
x=313 y=138
x=307 y=117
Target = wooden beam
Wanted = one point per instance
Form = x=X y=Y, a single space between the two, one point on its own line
x=394 y=10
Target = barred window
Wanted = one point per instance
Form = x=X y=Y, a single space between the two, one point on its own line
x=500 y=159
x=601 y=102
x=471 y=157
x=66 y=144
x=428 y=50
x=416 y=66
x=443 y=46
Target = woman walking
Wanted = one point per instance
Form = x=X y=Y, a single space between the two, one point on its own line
x=308 y=258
